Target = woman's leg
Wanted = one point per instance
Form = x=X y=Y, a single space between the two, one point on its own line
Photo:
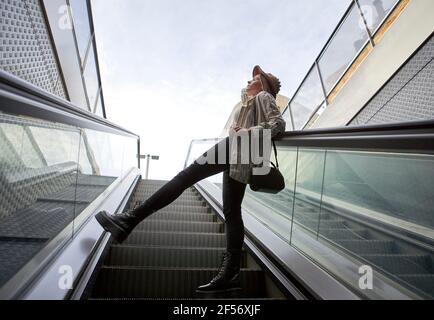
x=233 y=195
x=170 y=191
x=121 y=225
x=197 y=171
x=228 y=278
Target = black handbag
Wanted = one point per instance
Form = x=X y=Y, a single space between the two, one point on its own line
x=273 y=182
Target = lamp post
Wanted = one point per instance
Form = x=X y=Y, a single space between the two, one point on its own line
x=148 y=157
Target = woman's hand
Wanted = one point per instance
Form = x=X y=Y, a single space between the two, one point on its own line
x=237 y=128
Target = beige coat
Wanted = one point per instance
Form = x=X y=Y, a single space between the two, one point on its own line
x=268 y=116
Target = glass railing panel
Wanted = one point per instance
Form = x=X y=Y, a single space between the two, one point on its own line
x=91 y=78
x=399 y=186
x=286 y=115
x=104 y=158
x=99 y=109
x=308 y=98
x=63 y=40
x=81 y=25
x=278 y=215
x=130 y=156
x=307 y=209
x=375 y=11
x=29 y=217
x=374 y=209
x=345 y=45
x=55 y=143
x=52 y=177
x=22 y=141
x=198 y=148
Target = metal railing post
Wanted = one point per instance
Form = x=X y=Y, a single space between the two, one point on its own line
x=291 y=117
x=322 y=83
x=371 y=39
x=138 y=153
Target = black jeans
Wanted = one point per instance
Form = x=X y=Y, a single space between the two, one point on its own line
x=233 y=192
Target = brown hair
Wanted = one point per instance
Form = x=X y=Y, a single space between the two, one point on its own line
x=265 y=85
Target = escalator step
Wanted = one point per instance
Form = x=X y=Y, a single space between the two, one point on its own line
x=422 y=282
x=75 y=194
x=401 y=264
x=15 y=252
x=185 y=209
x=323 y=224
x=314 y=215
x=40 y=220
x=173 y=226
x=174 y=257
x=197 y=217
x=368 y=246
x=179 y=202
x=94 y=180
x=181 y=239
x=345 y=234
x=167 y=282
x=146 y=192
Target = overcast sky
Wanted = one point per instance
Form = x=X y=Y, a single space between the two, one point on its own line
x=173 y=70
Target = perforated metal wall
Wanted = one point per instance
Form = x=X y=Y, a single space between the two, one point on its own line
x=408 y=96
x=26 y=50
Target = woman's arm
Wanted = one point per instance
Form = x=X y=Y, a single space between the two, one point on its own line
x=274 y=120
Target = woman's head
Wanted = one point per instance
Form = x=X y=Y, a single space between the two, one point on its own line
x=254 y=86
x=269 y=82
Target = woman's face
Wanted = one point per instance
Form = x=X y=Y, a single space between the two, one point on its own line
x=254 y=86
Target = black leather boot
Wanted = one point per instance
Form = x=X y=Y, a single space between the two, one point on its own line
x=228 y=277
x=119 y=225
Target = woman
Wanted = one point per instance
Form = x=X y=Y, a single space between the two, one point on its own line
x=258 y=111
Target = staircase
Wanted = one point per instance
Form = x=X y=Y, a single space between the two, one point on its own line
x=171 y=253
x=409 y=264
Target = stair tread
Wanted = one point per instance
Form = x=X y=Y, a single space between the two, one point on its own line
x=180 y=233
x=165 y=268
x=167 y=247
x=179 y=222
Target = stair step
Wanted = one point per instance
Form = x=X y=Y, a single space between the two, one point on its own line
x=367 y=246
x=324 y=224
x=174 y=257
x=401 y=264
x=181 y=239
x=146 y=192
x=114 y=282
x=174 y=226
x=152 y=182
x=345 y=234
x=179 y=202
x=183 y=216
x=185 y=209
x=424 y=283
x=314 y=215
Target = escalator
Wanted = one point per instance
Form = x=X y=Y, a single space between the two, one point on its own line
x=171 y=253
x=359 y=196
x=406 y=262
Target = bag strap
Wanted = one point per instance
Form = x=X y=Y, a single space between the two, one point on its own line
x=274 y=144
x=275 y=153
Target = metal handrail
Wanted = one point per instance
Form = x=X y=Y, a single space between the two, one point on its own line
x=12 y=84
x=404 y=137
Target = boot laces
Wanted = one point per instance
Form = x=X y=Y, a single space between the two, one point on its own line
x=223 y=264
